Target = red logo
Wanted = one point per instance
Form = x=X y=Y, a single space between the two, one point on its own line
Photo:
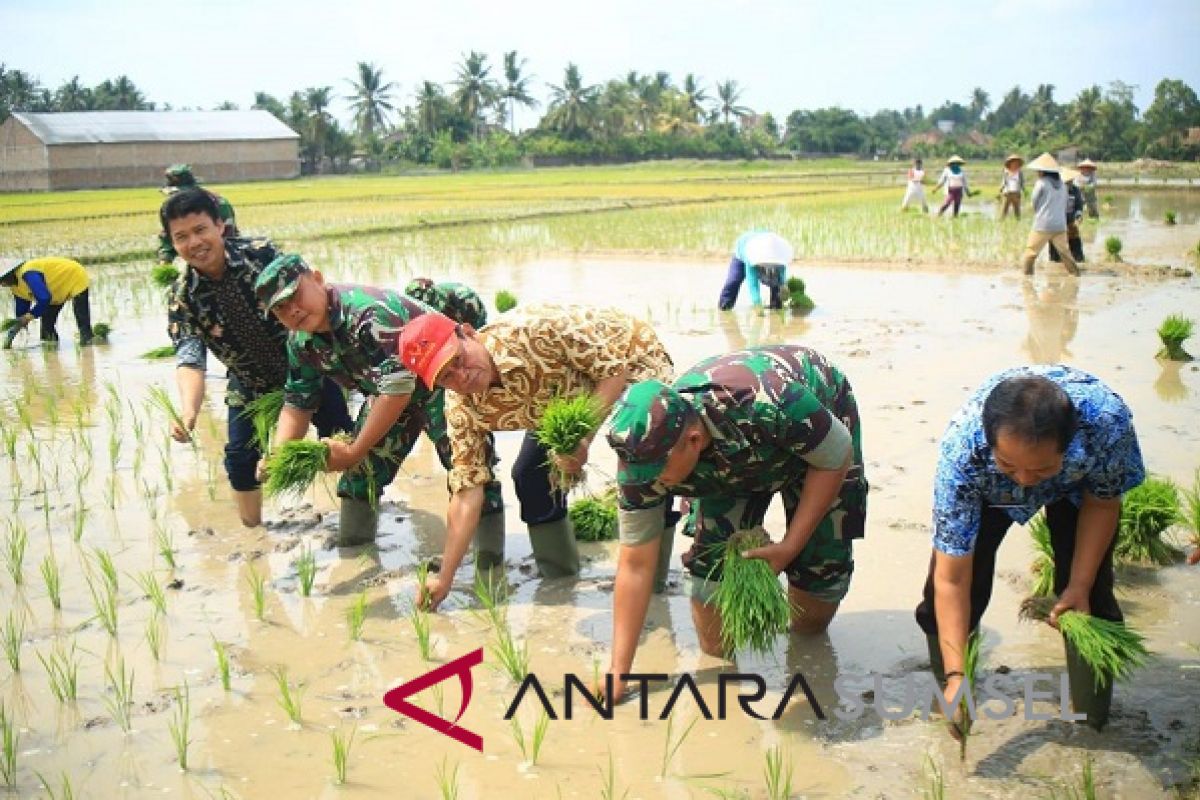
x=461 y=666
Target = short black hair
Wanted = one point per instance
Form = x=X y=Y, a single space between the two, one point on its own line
x=1032 y=408
x=185 y=202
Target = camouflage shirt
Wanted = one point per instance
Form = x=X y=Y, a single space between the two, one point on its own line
x=166 y=248
x=224 y=316
x=772 y=413
x=457 y=301
x=360 y=351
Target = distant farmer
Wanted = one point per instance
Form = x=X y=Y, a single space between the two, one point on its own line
x=954 y=178
x=1012 y=186
x=730 y=434
x=501 y=379
x=915 y=188
x=456 y=300
x=179 y=177
x=1087 y=183
x=1074 y=217
x=350 y=334
x=759 y=257
x=41 y=287
x=1049 y=215
x=212 y=307
x=1030 y=438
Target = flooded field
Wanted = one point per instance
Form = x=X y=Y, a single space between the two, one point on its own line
x=129 y=522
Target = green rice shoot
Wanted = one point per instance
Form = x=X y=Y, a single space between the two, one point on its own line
x=1173 y=332
x=1113 y=246
x=293 y=467
x=164 y=275
x=595 y=518
x=753 y=606
x=565 y=423
x=263 y=412
x=1112 y=649
x=970 y=674
x=505 y=301
x=166 y=351
x=1043 y=565
x=101 y=331
x=1190 y=513
x=1147 y=511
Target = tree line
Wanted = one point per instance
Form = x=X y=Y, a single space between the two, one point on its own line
x=471 y=120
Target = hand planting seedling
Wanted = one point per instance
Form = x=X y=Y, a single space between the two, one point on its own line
x=565 y=425
x=1173 y=332
x=1113 y=650
x=753 y=606
x=293 y=467
x=505 y=301
x=1147 y=511
x=963 y=722
x=594 y=519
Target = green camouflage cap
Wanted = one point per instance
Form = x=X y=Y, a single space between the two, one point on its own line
x=646 y=424
x=179 y=174
x=427 y=292
x=279 y=279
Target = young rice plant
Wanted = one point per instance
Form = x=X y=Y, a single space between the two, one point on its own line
x=754 y=608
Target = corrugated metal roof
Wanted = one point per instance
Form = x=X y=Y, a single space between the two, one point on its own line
x=81 y=127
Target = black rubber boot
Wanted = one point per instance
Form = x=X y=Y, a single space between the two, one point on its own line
x=489 y=547
x=1085 y=697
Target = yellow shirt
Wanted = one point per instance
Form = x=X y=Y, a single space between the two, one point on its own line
x=541 y=353
x=64 y=278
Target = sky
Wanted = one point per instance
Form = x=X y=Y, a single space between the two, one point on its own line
x=786 y=54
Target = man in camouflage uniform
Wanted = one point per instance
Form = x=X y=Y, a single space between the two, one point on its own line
x=729 y=434
x=457 y=301
x=179 y=177
x=212 y=308
x=350 y=333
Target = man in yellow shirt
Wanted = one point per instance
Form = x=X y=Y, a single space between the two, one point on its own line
x=42 y=286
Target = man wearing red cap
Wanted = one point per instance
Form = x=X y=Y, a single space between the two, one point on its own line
x=502 y=378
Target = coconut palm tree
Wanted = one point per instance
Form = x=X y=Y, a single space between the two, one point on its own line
x=73 y=96
x=474 y=88
x=694 y=97
x=372 y=99
x=516 y=86
x=1082 y=114
x=981 y=103
x=431 y=103
x=572 y=105
x=728 y=95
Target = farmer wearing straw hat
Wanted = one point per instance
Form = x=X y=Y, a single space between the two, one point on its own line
x=179 y=177
x=1087 y=183
x=731 y=433
x=758 y=257
x=1012 y=186
x=41 y=287
x=955 y=180
x=1049 y=215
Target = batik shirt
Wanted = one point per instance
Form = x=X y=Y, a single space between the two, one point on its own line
x=1102 y=458
x=224 y=316
x=773 y=412
x=360 y=351
x=541 y=353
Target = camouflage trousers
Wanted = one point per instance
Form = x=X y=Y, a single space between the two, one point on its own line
x=368 y=479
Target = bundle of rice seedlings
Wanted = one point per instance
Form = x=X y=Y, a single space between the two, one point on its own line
x=1043 y=565
x=565 y=423
x=1112 y=649
x=1147 y=511
x=101 y=331
x=1113 y=245
x=164 y=275
x=293 y=467
x=505 y=300
x=595 y=518
x=1173 y=332
x=797 y=299
x=1191 y=509
x=1169 y=218
x=166 y=351
x=754 y=607
x=263 y=412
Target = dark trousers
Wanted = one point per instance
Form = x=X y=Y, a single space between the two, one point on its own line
x=1062 y=517
x=1074 y=242
x=83 y=318
x=953 y=197
x=540 y=503
x=241 y=450
x=733 y=284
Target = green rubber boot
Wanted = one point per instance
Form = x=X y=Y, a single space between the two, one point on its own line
x=1085 y=697
x=554 y=548
x=489 y=548
x=935 y=658
x=665 y=545
x=358 y=523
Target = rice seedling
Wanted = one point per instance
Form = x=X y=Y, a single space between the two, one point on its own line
x=777 y=774
x=289 y=696
x=153 y=591
x=1043 y=565
x=164 y=544
x=101 y=331
x=1190 y=513
x=447 y=780
x=180 y=725
x=258 y=593
x=1112 y=649
x=164 y=460
x=797 y=299
x=754 y=608
x=1169 y=217
x=936 y=789
x=52 y=579
x=1147 y=511
x=419 y=619
x=118 y=698
x=293 y=467
x=12 y=636
x=104 y=601
x=222 y=654
x=670 y=745
x=164 y=275
x=154 y=637
x=594 y=519
x=78 y=521
x=1113 y=246
x=341 y=753
x=263 y=412
x=67 y=792
x=1086 y=788
x=489 y=591
x=970 y=673
x=108 y=570
x=505 y=301
x=1173 y=332
x=356 y=615
x=532 y=748
x=14 y=550
x=608 y=785
x=564 y=425
x=156 y=353
x=162 y=401
x=10 y=746
x=62 y=672
x=513 y=658
x=306 y=570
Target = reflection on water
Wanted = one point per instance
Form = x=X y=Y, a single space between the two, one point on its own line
x=1169 y=385
x=1053 y=318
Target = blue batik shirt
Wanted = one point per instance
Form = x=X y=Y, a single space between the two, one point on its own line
x=1102 y=458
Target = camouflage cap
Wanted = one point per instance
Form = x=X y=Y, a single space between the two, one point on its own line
x=279 y=279
x=646 y=424
x=179 y=175
x=427 y=292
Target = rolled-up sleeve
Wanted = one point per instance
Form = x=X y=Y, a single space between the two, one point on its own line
x=189 y=347
x=470 y=463
x=639 y=511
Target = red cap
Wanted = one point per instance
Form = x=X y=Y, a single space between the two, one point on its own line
x=426 y=344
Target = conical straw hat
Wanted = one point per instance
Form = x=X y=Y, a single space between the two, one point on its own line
x=1044 y=163
x=955 y=160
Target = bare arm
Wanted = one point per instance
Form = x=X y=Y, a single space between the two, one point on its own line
x=1094 y=532
x=462 y=518
x=190 y=382
x=952 y=609
x=385 y=410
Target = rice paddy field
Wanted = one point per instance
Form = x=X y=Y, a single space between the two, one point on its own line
x=155 y=647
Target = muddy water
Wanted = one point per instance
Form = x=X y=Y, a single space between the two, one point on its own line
x=913 y=343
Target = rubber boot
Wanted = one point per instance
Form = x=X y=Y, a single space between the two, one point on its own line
x=1085 y=697
x=489 y=548
x=665 y=545
x=935 y=658
x=554 y=548
x=358 y=523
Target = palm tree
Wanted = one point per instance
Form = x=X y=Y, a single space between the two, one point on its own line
x=615 y=109
x=371 y=100
x=981 y=103
x=694 y=96
x=516 y=86
x=126 y=96
x=268 y=103
x=1085 y=110
x=18 y=90
x=316 y=108
x=73 y=96
x=475 y=90
x=431 y=101
x=728 y=94
x=572 y=105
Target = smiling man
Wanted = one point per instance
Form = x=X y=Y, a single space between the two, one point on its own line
x=1033 y=437
x=212 y=307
